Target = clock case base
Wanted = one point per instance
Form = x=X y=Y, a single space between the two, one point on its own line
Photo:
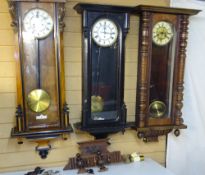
x=41 y=134
x=100 y=132
x=42 y=138
x=151 y=134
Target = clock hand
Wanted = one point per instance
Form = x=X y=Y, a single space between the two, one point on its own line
x=108 y=33
x=104 y=27
x=37 y=14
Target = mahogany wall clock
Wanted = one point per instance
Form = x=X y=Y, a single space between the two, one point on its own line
x=162 y=52
x=104 y=32
x=42 y=113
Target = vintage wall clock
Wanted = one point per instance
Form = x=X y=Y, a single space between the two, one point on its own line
x=162 y=52
x=104 y=32
x=42 y=113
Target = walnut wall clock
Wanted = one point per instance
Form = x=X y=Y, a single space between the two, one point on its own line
x=42 y=113
x=162 y=53
x=104 y=33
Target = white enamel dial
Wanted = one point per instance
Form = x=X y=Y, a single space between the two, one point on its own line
x=104 y=32
x=38 y=22
x=162 y=33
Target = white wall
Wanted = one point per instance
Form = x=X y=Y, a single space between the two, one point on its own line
x=185 y=154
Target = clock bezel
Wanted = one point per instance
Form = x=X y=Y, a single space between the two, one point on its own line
x=51 y=29
x=169 y=39
x=116 y=29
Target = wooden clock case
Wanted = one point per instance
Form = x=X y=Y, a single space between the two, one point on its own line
x=113 y=60
x=40 y=66
x=162 y=66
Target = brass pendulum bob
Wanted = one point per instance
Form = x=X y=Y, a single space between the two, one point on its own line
x=38 y=100
x=96 y=103
x=157 y=109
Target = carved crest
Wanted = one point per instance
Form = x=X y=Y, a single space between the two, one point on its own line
x=14 y=15
x=61 y=15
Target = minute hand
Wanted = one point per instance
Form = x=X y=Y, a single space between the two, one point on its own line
x=111 y=33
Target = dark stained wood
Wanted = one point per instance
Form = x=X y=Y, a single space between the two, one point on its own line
x=102 y=8
x=159 y=121
x=152 y=69
x=111 y=74
x=143 y=68
x=181 y=56
x=165 y=10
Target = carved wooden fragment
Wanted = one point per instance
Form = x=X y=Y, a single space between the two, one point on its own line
x=90 y=151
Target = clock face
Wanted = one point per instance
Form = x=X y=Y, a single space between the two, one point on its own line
x=104 y=32
x=38 y=22
x=162 y=33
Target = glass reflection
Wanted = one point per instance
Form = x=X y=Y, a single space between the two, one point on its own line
x=104 y=84
x=161 y=79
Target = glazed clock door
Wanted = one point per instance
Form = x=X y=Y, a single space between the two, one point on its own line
x=162 y=52
x=104 y=32
x=104 y=77
x=164 y=34
x=40 y=75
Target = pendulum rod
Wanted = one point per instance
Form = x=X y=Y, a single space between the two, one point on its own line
x=98 y=73
x=38 y=65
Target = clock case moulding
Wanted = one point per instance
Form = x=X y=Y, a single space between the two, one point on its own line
x=150 y=128
x=58 y=124
x=120 y=16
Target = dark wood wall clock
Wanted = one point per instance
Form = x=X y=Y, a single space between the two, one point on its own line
x=42 y=113
x=162 y=52
x=104 y=31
